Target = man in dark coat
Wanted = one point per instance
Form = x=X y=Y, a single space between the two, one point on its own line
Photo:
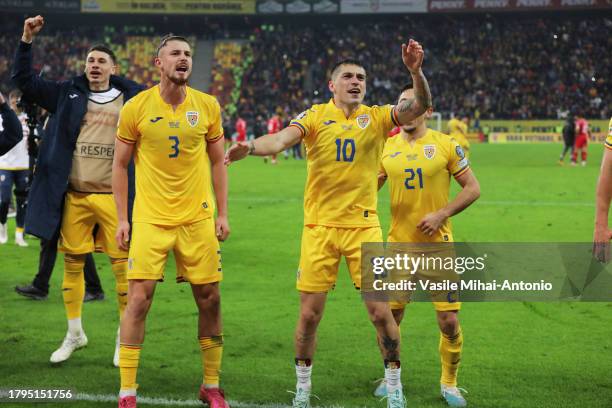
x=72 y=186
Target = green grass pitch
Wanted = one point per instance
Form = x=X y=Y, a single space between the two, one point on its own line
x=515 y=354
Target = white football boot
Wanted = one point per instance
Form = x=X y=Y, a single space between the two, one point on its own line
x=69 y=345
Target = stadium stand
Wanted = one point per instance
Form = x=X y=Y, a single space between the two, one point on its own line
x=501 y=66
x=495 y=66
x=59 y=54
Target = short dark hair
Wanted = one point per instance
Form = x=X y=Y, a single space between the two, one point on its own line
x=103 y=48
x=170 y=37
x=405 y=88
x=348 y=61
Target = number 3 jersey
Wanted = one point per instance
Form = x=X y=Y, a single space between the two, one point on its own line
x=343 y=161
x=419 y=182
x=173 y=177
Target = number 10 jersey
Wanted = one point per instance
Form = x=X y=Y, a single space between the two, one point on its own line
x=343 y=161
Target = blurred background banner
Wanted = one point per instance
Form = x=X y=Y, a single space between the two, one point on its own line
x=297 y=6
x=42 y=6
x=514 y=5
x=169 y=6
x=383 y=6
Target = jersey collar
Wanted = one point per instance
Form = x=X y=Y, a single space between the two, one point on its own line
x=167 y=105
x=332 y=105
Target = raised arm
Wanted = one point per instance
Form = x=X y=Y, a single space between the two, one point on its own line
x=219 y=180
x=265 y=145
x=408 y=110
x=40 y=91
x=602 y=233
x=12 y=132
x=469 y=193
x=121 y=160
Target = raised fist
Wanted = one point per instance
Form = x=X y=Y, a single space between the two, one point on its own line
x=31 y=27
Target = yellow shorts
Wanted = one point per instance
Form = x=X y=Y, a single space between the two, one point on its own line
x=443 y=301
x=439 y=306
x=82 y=212
x=196 y=252
x=322 y=248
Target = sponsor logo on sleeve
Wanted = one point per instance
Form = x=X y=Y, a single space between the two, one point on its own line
x=460 y=152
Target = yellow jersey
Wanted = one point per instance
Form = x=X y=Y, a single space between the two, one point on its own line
x=609 y=138
x=173 y=181
x=419 y=183
x=457 y=127
x=343 y=159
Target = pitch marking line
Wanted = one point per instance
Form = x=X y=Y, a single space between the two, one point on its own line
x=168 y=402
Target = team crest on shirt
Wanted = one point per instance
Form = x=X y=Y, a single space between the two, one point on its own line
x=429 y=151
x=193 y=117
x=363 y=121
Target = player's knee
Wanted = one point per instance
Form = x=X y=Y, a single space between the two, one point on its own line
x=138 y=305
x=448 y=322
x=310 y=316
x=208 y=301
x=378 y=316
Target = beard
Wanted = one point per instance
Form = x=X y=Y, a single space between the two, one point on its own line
x=178 y=81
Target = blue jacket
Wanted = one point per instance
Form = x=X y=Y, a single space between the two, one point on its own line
x=67 y=102
x=12 y=132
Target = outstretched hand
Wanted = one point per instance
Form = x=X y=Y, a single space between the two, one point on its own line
x=31 y=27
x=237 y=152
x=412 y=55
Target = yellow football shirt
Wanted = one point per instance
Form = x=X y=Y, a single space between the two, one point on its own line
x=343 y=160
x=173 y=181
x=419 y=182
x=457 y=127
x=609 y=138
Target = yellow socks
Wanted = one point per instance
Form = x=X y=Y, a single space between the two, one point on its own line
x=119 y=268
x=450 y=357
x=212 y=350
x=129 y=355
x=73 y=287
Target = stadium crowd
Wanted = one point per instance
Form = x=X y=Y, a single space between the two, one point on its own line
x=490 y=66
x=499 y=67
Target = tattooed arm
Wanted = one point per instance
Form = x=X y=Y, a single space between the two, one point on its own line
x=408 y=110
